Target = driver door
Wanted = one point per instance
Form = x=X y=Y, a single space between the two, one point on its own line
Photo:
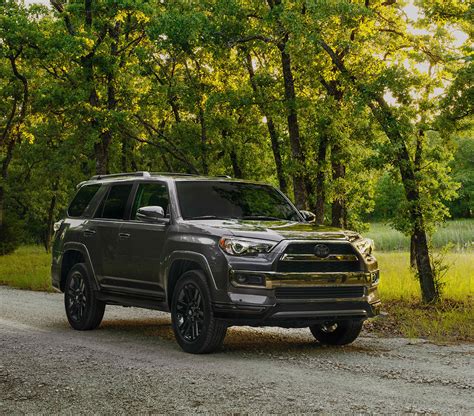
x=141 y=244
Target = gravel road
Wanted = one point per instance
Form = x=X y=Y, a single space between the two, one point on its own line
x=132 y=364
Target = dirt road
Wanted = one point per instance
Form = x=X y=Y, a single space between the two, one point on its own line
x=132 y=364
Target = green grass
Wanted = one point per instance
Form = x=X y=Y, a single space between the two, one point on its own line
x=459 y=233
x=451 y=320
x=399 y=283
x=29 y=268
x=26 y=268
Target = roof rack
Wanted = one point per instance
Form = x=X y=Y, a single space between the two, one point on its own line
x=119 y=175
x=173 y=174
x=147 y=175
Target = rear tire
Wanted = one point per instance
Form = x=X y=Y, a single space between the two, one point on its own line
x=83 y=310
x=337 y=332
x=195 y=328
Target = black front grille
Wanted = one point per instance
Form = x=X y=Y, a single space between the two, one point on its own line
x=292 y=264
x=321 y=292
x=318 y=266
x=308 y=248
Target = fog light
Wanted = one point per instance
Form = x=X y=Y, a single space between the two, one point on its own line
x=248 y=279
x=241 y=279
x=375 y=277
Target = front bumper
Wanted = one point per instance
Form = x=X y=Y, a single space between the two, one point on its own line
x=262 y=306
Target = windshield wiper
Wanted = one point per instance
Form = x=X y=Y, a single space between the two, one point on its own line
x=262 y=217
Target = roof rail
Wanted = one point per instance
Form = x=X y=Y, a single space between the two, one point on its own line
x=172 y=174
x=119 y=175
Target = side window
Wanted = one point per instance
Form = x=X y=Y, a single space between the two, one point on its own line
x=113 y=207
x=151 y=194
x=82 y=199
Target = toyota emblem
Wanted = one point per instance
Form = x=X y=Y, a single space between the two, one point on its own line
x=321 y=250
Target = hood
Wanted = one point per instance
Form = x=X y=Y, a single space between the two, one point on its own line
x=273 y=230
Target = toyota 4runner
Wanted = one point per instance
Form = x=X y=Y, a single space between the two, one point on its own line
x=215 y=252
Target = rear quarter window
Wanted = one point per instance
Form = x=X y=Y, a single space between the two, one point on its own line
x=82 y=200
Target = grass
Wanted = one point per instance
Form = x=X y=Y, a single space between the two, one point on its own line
x=398 y=282
x=459 y=233
x=451 y=320
x=26 y=268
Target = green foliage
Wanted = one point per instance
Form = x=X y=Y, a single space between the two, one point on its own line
x=164 y=86
x=463 y=172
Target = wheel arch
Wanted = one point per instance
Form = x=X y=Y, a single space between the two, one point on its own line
x=76 y=253
x=181 y=262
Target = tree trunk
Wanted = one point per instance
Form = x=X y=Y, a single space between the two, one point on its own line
x=390 y=125
x=202 y=122
x=235 y=164
x=293 y=127
x=412 y=193
x=320 y=179
x=338 y=208
x=299 y=184
x=412 y=251
x=15 y=135
x=50 y=221
x=272 y=131
x=417 y=166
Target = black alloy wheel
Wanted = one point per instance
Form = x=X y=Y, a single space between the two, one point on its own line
x=190 y=312
x=196 y=329
x=83 y=310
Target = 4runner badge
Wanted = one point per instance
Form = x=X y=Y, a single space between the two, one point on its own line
x=321 y=250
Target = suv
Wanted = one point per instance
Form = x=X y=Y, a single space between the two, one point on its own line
x=213 y=251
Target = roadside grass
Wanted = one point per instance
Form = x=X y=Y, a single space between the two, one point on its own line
x=27 y=268
x=458 y=233
x=451 y=320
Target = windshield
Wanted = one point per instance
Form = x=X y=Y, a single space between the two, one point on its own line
x=224 y=200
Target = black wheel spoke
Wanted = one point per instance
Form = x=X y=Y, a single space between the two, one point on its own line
x=190 y=312
x=76 y=298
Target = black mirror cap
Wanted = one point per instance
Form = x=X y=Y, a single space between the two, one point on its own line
x=152 y=213
x=308 y=216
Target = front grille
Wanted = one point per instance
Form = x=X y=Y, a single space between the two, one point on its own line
x=301 y=258
x=318 y=267
x=319 y=292
x=308 y=248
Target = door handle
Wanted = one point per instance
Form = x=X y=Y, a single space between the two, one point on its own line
x=88 y=232
x=124 y=235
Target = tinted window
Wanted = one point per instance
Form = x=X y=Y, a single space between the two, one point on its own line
x=151 y=194
x=233 y=200
x=82 y=199
x=116 y=202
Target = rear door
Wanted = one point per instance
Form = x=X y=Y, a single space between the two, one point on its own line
x=103 y=235
x=141 y=243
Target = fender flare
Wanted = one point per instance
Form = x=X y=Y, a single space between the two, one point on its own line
x=73 y=246
x=191 y=256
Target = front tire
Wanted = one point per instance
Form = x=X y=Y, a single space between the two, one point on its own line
x=83 y=310
x=195 y=328
x=337 y=332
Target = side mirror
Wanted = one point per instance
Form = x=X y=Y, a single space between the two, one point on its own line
x=308 y=216
x=151 y=214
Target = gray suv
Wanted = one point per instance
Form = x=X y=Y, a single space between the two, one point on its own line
x=214 y=252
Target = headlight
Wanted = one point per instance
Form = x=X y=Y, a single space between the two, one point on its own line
x=244 y=247
x=366 y=246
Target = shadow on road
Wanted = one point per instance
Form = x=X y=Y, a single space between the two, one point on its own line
x=238 y=339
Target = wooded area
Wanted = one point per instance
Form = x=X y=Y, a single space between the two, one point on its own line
x=354 y=108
